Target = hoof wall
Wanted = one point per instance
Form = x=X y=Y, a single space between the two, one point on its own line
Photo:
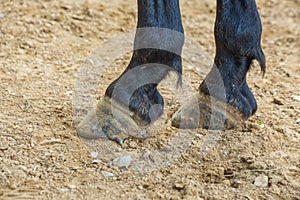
x=203 y=111
x=110 y=121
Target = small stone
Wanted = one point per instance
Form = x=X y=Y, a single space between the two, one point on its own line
x=12 y=186
x=281 y=64
x=122 y=162
x=24 y=168
x=64 y=190
x=261 y=181
x=298 y=121
x=96 y=161
x=68 y=92
x=2 y=15
x=189 y=67
x=143 y=132
x=179 y=186
x=94 y=154
x=258 y=115
x=107 y=174
x=296 y=98
x=140 y=187
x=72 y=186
x=236 y=183
x=278 y=101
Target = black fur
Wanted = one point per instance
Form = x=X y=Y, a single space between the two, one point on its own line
x=237 y=35
x=238 y=32
x=163 y=14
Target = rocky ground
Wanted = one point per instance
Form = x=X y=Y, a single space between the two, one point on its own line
x=42 y=46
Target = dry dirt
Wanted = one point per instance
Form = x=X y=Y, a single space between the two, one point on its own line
x=42 y=46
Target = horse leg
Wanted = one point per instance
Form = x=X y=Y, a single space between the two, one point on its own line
x=157 y=51
x=237 y=32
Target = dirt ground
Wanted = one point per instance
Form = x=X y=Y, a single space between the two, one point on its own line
x=42 y=46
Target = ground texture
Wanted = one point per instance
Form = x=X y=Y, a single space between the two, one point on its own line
x=42 y=46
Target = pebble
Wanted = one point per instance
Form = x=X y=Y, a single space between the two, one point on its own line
x=278 y=101
x=12 y=186
x=143 y=132
x=64 y=190
x=96 y=161
x=122 y=162
x=296 y=98
x=72 y=186
x=298 y=121
x=179 y=186
x=107 y=174
x=68 y=92
x=236 y=183
x=24 y=168
x=2 y=15
x=261 y=181
x=94 y=154
x=140 y=187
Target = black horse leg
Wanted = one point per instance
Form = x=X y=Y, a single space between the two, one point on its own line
x=155 y=45
x=238 y=32
x=157 y=50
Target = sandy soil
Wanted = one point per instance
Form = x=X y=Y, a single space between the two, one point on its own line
x=42 y=46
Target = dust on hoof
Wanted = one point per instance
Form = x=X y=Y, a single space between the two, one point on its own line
x=203 y=111
x=107 y=121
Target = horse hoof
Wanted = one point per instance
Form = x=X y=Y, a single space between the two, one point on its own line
x=107 y=121
x=207 y=112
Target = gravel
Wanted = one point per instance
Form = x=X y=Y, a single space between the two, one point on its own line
x=122 y=162
x=261 y=181
x=296 y=98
